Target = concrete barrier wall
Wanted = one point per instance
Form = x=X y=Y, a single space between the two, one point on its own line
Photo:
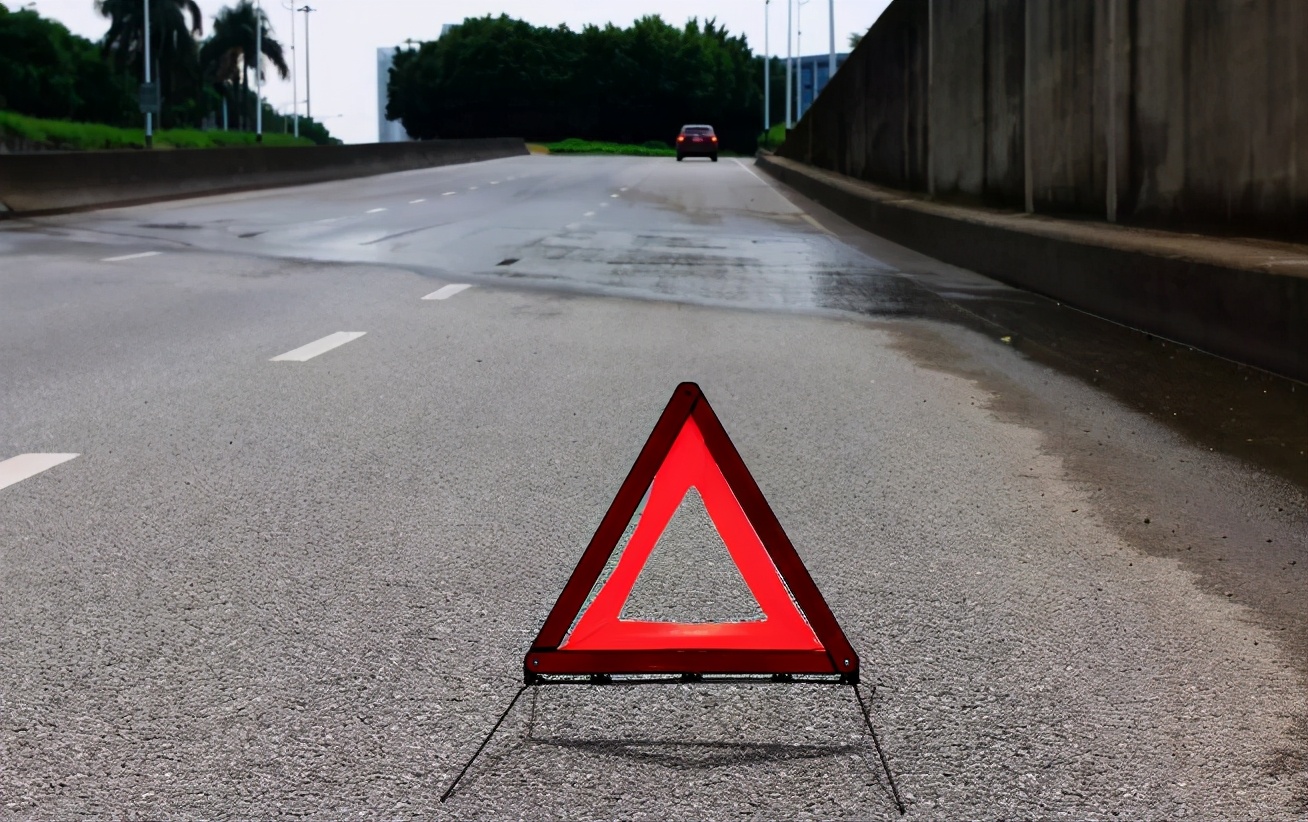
x=1222 y=297
x=1186 y=114
x=64 y=181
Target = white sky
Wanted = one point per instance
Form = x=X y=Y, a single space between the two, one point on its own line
x=347 y=33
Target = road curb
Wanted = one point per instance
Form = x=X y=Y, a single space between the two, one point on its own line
x=1245 y=300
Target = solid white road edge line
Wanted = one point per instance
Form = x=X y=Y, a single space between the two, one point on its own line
x=131 y=256
x=447 y=291
x=19 y=468
x=759 y=177
x=313 y=349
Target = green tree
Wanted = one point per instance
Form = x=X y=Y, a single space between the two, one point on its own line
x=228 y=56
x=854 y=40
x=495 y=76
x=174 y=50
x=46 y=71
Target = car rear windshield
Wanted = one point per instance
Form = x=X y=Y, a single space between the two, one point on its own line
x=697 y=130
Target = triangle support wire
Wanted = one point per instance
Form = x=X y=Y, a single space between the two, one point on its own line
x=550 y=661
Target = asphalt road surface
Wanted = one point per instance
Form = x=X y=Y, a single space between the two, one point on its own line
x=314 y=519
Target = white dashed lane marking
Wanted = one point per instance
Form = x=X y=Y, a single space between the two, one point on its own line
x=449 y=194
x=447 y=291
x=375 y=210
x=313 y=349
x=19 y=468
x=589 y=214
x=131 y=256
x=419 y=200
x=472 y=188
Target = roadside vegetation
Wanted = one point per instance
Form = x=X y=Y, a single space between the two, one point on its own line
x=66 y=135
x=653 y=148
x=773 y=137
x=501 y=77
x=50 y=74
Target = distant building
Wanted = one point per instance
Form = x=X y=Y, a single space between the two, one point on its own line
x=814 y=72
x=391 y=131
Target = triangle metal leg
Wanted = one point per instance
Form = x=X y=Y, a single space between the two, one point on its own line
x=450 y=790
x=867 y=717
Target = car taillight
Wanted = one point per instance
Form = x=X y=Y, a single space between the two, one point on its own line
x=681 y=139
x=715 y=139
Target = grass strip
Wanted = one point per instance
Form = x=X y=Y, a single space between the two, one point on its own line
x=63 y=134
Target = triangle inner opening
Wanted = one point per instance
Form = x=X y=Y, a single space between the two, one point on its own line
x=690 y=576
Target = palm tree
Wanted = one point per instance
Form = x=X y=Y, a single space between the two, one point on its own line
x=229 y=54
x=174 y=27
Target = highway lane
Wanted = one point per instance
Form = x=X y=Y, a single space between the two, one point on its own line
x=276 y=587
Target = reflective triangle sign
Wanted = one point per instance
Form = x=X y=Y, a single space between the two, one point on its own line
x=798 y=634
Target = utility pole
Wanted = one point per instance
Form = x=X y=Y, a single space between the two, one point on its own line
x=258 y=75
x=308 y=98
x=767 y=73
x=790 y=63
x=149 y=115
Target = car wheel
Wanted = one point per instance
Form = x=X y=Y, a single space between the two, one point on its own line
x=715 y=158
x=680 y=158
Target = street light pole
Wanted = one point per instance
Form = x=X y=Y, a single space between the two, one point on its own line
x=258 y=75
x=295 y=81
x=149 y=115
x=308 y=98
x=790 y=62
x=767 y=72
x=799 y=69
x=831 y=58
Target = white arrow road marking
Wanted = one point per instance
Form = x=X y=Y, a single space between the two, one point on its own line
x=19 y=468
x=313 y=349
x=447 y=291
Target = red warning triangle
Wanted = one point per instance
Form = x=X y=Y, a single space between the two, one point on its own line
x=690 y=449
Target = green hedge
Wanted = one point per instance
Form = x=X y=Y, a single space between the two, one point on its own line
x=575 y=146
x=93 y=136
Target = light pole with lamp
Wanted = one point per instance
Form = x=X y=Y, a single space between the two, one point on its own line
x=149 y=114
x=799 y=69
x=790 y=62
x=258 y=76
x=308 y=98
x=295 y=83
x=831 y=58
x=767 y=73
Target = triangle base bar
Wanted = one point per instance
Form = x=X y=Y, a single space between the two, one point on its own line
x=685 y=663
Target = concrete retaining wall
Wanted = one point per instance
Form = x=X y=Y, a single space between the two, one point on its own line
x=65 y=181
x=1182 y=114
x=1245 y=301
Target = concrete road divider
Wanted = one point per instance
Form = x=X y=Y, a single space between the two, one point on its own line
x=1242 y=299
x=50 y=182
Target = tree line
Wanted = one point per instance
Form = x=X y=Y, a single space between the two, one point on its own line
x=500 y=77
x=47 y=71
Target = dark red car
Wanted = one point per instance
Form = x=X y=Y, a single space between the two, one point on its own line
x=697 y=141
